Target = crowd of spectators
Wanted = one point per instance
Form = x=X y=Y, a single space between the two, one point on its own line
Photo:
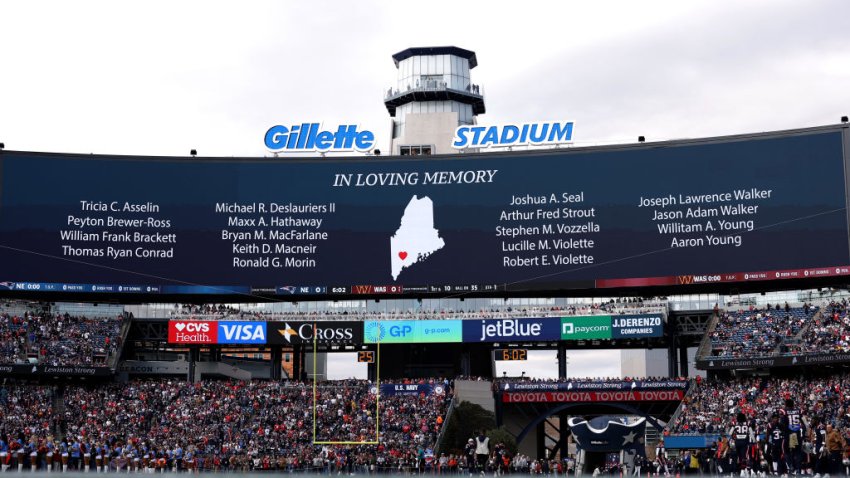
x=62 y=339
x=828 y=332
x=58 y=339
x=818 y=407
x=758 y=332
x=206 y=310
x=221 y=312
x=27 y=411
x=711 y=405
x=13 y=339
x=222 y=425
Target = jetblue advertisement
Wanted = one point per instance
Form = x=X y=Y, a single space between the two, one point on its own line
x=762 y=208
x=512 y=330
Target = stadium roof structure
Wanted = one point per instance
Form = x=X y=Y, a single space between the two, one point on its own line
x=437 y=50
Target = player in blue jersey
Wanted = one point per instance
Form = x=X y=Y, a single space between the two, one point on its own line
x=742 y=433
x=4 y=454
x=793 y=431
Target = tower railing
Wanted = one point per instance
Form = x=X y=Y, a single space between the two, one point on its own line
x=433 y=85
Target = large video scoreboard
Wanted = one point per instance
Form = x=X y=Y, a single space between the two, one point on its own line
x=756 y=207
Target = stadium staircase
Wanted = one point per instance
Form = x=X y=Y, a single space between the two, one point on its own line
x=652 y=436
x=705 y=345
x=479 y=392
x=112 y=360
x=58 y=403
x=796 y=339
x=675 y=417
x=438 y=447
x=221 y=369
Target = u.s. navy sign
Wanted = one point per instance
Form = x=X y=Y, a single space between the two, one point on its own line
x=535 y=134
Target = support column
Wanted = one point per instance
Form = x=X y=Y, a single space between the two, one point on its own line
x=194 y=355
x=673 y=338
x=562 y=360
x=541 y=440
x=683 y=360
x=277 y=362
x=372 y=371
x=297 y=363
x=465 y=369
x=672 y=369
x=564 y=434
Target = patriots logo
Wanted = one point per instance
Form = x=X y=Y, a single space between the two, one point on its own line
x=606 y=433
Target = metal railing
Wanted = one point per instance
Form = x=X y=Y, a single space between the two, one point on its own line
x=685 y=400
x=432 y=85
x=705 y=343
x=438 y=447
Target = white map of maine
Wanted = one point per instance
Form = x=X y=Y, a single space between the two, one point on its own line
x=416 y=238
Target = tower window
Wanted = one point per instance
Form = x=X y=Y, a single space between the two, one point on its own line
x=431 y=82
x=418 y=150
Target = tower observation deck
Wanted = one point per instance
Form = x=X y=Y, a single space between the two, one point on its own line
x=432 y=96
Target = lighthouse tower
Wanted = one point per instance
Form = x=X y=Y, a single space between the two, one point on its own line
x=432 y=96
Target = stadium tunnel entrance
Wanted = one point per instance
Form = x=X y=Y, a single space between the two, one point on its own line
x=542 y=430
x=606 y=440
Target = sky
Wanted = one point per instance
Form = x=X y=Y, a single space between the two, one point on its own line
x=161 y=78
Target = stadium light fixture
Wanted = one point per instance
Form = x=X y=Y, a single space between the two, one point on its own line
x=193 y=152
x=641 y=139
x=843 y=120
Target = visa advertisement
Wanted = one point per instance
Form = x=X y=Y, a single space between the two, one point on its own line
x=216 y=332
x=241 y=332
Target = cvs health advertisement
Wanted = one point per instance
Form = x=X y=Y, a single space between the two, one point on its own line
x=192 y=332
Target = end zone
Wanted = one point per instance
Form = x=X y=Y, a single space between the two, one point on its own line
x=377 y=398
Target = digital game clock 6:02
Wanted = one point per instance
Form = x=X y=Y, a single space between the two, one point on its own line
x=511 y=354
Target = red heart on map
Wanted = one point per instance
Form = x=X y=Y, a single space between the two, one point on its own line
x=403 y=255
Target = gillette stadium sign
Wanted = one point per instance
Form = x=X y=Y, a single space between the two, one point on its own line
x=306 y=137
x=525 y=134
